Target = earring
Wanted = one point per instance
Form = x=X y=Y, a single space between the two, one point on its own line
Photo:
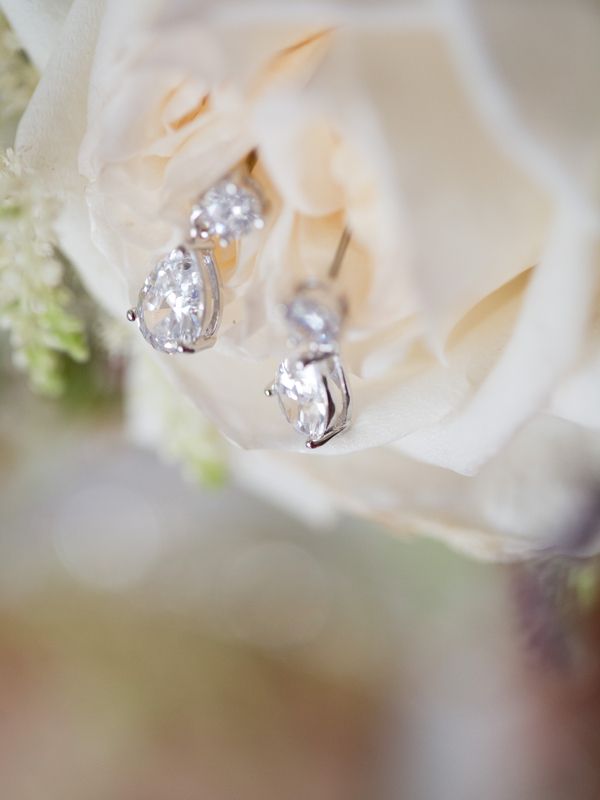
x=231 y=208
x=179 y=304
x=311 y=384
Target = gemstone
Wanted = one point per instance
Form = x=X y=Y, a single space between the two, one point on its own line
x=228 y=210
x=171 y=304
x=314 y=314
x=312 y=394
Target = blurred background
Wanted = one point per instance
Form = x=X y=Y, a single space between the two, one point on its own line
x=161 y=639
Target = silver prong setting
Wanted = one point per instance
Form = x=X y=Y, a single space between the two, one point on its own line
x=193 y=286
x=313 y=395
x=311 y=384
x=314 y=444
x=225 y=212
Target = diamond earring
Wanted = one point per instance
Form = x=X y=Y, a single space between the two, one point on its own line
x=179 y=304
x=311 y=384
x=231 y=208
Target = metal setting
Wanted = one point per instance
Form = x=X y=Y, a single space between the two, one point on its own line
x=338 y=259
x=203 y=309
x=188 y=305
x=335 y=388
x=311 y=385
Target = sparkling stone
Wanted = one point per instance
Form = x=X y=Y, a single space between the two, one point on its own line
x=172 y=302
x=304 y=394
x=315 y=314
x=228 y=210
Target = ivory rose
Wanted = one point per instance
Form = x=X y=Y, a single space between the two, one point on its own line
x=460 y=140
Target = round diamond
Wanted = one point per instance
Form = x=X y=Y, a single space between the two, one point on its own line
x=171 y=303
x=228 y=210
x=302 y=388
x=315 y=315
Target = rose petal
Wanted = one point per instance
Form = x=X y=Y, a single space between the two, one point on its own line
x=54 y=122
x=549 y=335
x=533 y=70
x=536 y=497
x=456 y=221
x=38 y=24
x=578 y=397
x=414 y=395
x=461 y=218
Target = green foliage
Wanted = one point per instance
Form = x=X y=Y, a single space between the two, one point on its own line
x=584 y=581
x=35 y=303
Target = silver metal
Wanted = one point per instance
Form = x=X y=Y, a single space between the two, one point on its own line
x=340 y=253
x=202 y=245
x=313 y=444
x=212 y=302
x=338 y=418
x=316 y=355
x=321 y=342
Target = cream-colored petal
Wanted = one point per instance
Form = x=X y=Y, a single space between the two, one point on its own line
x=54 y=123
x=549 y=335
x=48 y=141
x=457 y=215
x=445 y=214
x=102 y=278
x=533 y=69
x=416 y=394
x=475 y=219
x=144 y=168
x=534 y=498
x=37 y=23
x=285 y=483
x=577 y=398
x=330 y=168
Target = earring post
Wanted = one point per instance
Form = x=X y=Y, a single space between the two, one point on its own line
x=338 y=258
x=251 y=160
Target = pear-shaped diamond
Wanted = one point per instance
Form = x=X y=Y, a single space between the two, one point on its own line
x=313 y=394
x=303 y=397
x=171 y=305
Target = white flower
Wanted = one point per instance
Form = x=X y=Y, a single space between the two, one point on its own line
x=35 y=305
x=460 y=140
